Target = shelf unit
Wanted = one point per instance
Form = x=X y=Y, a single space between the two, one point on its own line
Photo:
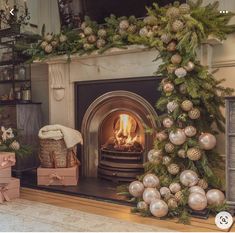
x=14 y=73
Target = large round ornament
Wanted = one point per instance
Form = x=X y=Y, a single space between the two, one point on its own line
x=169 y=147
x=190 y=131
x=171 y=68
x=102 y=33
x=173 y=169
x=215 y=197
x=187 y=105
x=48 y=38
x=184 y=8
x=155 y=156
x=190 y=66
x=197 y=189
x=150 y=194
x=167 y=122
x=173 y=12
x=136 y=188
x=168 y=87
x=171 y=47
x=176 y=59
x=143 y=31
x=207 y=141
x=164 y=191
x=158 y=208
x=180 y=72
x=181 y=153
x=177 y=137
x=194 y=154
x=141 y=205
x=151 y=181
x=43 y=44
x=171 y=106
x=132 y=29
x=175 y=187
x=166 y=160
x=194 y=113
x=48 y=48
x=177 y=26
x=100 y=43
x=91 y=39
x=88 y=31
x=202 y=183
x=161 y=136
x=197 y=201
x=150 y=20
x=172 y=203
x=166 y=38
x=124 y=24
x=188 y=178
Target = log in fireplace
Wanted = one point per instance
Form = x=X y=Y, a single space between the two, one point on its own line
x=115 y=139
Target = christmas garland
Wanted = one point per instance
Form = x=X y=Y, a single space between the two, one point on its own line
x=179 y=175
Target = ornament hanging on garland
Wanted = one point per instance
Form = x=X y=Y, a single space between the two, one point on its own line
x=151 y=181
x=161 y=136
x=207 y=141
x=48 y=48
x=183 y=89
x=141 y=205
x=15 y=145
x=150 y=20
x=177 y=137
x=180 y=72
x=88 y=31
x=124 y=24
x=197 y=201
x=187 y=105
x=43 y=44
x=171 y=47
x=155 y=156
x=62 y=38
x=132 y=29
x=166 y=38
x=48 y=38
x=194 y=154
x=150 y=194
x=203 y=183
x=166 y=160
x=91 y=39
x=171 y=106
x=190 y=131
x=136 y=188
x=171 y=68
x=100 y=43
x=158 y=208
x=184 y=8
x=172 y=203
x=197 y=189
x=169 y=147
x=143 y=32
x=188 y=178
x=164 y=191
x=102 y=33
x=194 y=113
x=173 y=12
x=177 y=26
x=215 y=197
x=189 y=67
x=181 y=153
x=179 y=196
x=175 y=187
x=168 y=87
x=173 y=169
x=167 y=122
x=176 y=59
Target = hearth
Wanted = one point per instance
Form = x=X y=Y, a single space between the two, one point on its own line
x=114 y=127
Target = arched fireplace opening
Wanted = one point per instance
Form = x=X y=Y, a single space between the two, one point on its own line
x=115 y=142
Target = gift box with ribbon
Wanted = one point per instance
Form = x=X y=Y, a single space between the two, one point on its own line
x=7 y=159
x=5 y=175
x=58 y=176
x=10 y=191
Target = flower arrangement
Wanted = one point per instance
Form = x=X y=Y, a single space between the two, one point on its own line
x=9 y=142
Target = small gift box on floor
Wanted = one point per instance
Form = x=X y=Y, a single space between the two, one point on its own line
x=7 y=159
x=5 y=175
x=58 y=176
x=10 y=191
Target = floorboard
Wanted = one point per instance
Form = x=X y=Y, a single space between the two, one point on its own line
x=117 y=211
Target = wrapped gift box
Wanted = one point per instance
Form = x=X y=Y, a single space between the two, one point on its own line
x=58 y=176
x=7 y=159
x=5 y=175
x=10 y=191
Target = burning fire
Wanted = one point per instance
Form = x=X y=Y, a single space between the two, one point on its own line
x=125 y=134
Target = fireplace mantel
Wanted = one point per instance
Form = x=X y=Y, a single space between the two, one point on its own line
x=134 y=61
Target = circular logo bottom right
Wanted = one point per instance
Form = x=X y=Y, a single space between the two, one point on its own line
x=224 y=220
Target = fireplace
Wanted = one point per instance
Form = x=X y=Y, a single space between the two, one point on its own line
x=114 y=127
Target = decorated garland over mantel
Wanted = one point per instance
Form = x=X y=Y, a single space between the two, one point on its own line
x=179 y=175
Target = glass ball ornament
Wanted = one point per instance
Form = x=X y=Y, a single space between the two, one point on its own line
x=194 y=154
x=161 y=136
x=177 y=137
x=172 y=203
x=158 y=208
x=181 y=153
x=188 y=178
x=197 y=189
x=141 y=205
x=168 y=87
x=166 y=160
x=190 y=66
x=167 y=122
x=175 y=187
x=151 y=181
x=164 y=191
x=207 y=141
x=215 y=197
x=173 y=169
x=179 y=196
x=176 y=59
x=136 y=188
x=190 y=131
x=194 y=113
x=155 y=156
x=180 y=72
x=171 y=68
x=169 y=147
x=197 y=201
x=171 y=106
x=187 y=105
x=202 y=183
x=150 y=194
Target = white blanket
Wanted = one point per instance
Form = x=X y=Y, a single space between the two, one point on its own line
x=71 y=136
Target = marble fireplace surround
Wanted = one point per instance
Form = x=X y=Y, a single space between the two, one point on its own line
x=135 y=61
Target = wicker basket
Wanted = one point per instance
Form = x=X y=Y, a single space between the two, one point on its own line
x=54 y=154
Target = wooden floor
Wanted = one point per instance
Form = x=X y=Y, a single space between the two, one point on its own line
x=121 y=212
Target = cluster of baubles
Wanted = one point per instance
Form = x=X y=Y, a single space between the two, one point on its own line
x=160 y=199
x=51 y=42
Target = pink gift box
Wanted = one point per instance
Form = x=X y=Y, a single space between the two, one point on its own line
x=58 y=176
x=7 y=159
x=5 y=175
x=10 y=191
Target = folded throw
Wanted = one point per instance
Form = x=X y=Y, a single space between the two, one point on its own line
x=71 y=136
